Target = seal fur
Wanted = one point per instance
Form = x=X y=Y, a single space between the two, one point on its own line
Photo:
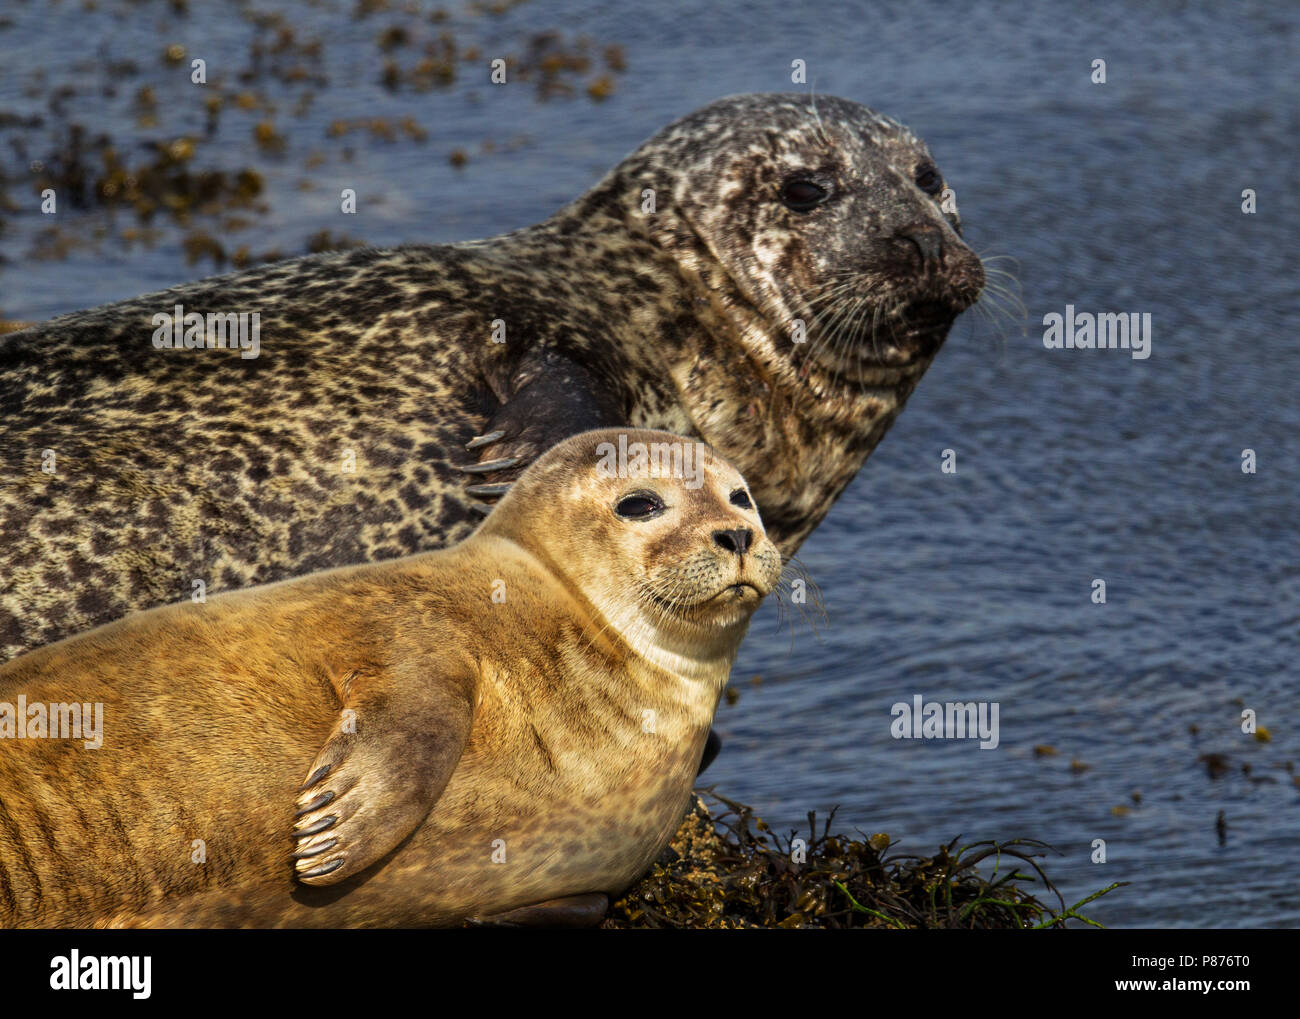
x=388 y=744
x=380 y=413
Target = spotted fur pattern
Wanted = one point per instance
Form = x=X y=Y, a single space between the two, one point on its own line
x=131 y=473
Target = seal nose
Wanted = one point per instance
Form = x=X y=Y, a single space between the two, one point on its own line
x=736 y=540
x=927 y=239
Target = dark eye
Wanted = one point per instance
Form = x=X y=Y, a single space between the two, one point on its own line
x=639 y=506
x=803 y=195
x=928 y=179
x=741 y=498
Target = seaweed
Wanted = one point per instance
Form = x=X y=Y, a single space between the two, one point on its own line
x=727 y=869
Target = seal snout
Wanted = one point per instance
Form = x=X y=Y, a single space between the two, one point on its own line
x=924 y=243
x=748 y=585
x=743 y=563
x=943 y=278
x=964 y=279
x=937 y=263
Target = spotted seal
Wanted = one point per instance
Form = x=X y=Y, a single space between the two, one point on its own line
x=771 y=274
x=470 y=732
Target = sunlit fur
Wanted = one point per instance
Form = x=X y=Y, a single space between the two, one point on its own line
x=546 y=685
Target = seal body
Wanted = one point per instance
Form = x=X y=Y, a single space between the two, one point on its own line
x=771 y=274
x=461 y=733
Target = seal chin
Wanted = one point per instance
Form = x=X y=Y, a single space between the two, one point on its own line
x=730 y=605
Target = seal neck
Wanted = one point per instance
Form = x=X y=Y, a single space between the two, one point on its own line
x=695 y=655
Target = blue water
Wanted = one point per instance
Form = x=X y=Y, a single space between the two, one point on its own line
x=1071 y=465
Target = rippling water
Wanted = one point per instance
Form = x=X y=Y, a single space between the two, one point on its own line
x=1072 y=465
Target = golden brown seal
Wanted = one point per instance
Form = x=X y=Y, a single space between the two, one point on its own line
x=460 y=733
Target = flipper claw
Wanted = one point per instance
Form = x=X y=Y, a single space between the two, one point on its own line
x=485 y=440
x=487 y=466
x=315 y=804
x=327 y=868
x=500 y=488
x=317 y=827
x=310 y=851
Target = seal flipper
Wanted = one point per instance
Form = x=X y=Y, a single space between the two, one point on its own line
x=370 y=788
x=550 y=397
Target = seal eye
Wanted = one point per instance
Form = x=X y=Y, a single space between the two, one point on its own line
x=741 y=498
x=803 y=195
x=639 y=506
x=928 y=179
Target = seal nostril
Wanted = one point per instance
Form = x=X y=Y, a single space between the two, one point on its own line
x=928 y=241
x=736 y=540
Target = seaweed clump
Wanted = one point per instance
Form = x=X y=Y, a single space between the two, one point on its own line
x=727 y=869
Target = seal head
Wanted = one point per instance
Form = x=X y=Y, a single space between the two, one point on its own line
x=657 y=532
x=813 y=210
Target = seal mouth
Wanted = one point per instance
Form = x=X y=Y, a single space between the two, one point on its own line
x=923 y=326
x=893 y=340
x=912 y=333
x=929 y=314
x=738 y=592
x=920 y=314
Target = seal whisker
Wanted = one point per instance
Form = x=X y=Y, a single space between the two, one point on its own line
x=843 y=309
x=841 y=304
x=792 y=565
x=1000 y=304
x=817 y=118
x=860 y=329
x=845 y=337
